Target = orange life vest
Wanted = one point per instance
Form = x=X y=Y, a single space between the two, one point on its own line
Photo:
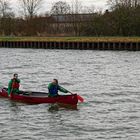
x=15 y=84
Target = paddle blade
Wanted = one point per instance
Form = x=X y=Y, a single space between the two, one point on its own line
x=80 y=98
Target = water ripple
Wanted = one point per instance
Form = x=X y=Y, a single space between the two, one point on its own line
x=109 y=82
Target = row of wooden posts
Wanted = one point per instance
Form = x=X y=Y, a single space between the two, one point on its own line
x=131 y=46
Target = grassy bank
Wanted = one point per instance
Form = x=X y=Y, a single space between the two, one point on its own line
x=73 y=39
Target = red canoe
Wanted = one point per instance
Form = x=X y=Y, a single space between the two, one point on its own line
x=40 y=97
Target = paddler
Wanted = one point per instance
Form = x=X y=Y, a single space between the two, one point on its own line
x=13 y=85
x=54 y=87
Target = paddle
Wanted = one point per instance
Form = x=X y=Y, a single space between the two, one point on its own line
x=10 y=95
x=12 y=89
x=81 y=99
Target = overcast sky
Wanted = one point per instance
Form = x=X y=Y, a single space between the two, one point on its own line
x=99 y=3
x=47 y=4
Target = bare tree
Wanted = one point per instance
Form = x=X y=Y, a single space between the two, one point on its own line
x=6 y=18
x=60 y=7
x=89 y=10
x=30 y=7
x=75 y=17
x=125 y=3
x=76 y=7
x=59 y=12
x=5 y=9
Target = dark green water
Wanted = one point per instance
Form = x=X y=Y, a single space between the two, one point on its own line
x=109 y=81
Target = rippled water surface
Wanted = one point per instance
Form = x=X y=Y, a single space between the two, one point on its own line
x=109 y=81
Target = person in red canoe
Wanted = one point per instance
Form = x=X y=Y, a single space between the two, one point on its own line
x=13 y=85
x=54 y=87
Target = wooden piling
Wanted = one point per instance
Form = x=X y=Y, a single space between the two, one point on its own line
x=130 y=46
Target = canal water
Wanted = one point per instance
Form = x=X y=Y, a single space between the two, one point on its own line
x=109 y=81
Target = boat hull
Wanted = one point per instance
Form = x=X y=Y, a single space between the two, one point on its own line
x=40 y=97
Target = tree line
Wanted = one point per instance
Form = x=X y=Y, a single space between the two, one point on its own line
x=121 y=19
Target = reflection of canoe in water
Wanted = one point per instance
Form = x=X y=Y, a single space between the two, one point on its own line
x=40 y=97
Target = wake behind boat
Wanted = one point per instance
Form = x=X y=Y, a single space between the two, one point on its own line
x=40 y=97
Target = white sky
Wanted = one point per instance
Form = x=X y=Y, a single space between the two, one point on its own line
x=47 y=4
